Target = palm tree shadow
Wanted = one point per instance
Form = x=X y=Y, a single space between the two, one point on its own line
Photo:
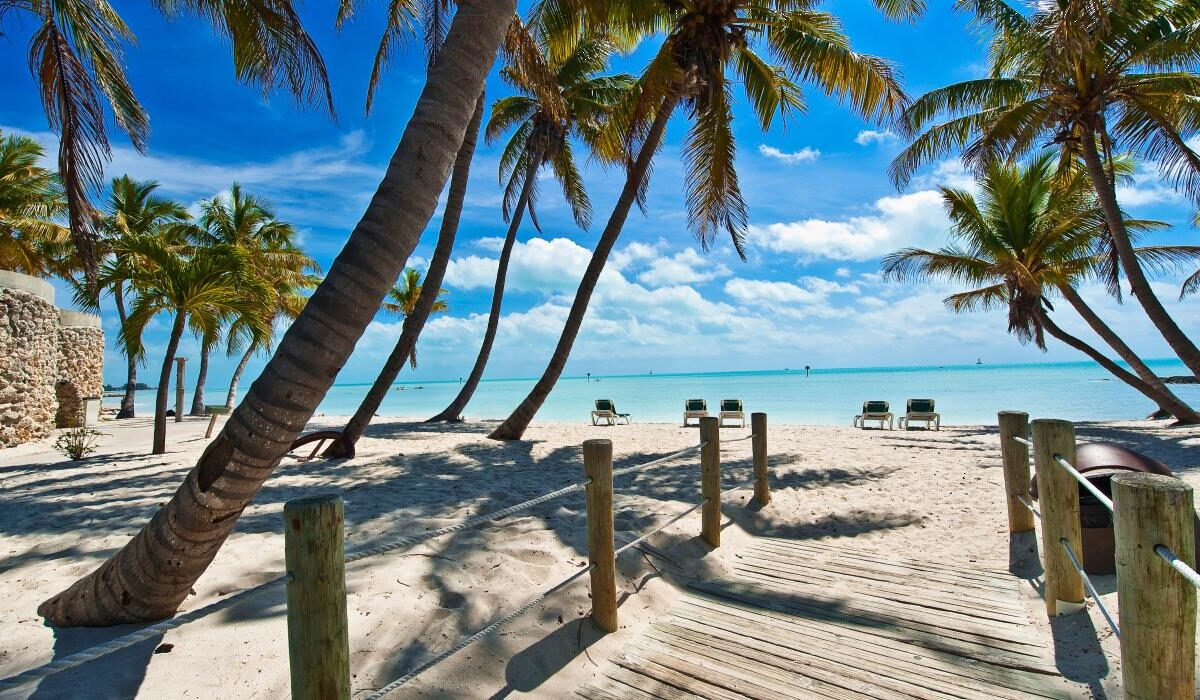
x=125 y=670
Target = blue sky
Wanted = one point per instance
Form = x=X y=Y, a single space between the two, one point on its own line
x=823 y=213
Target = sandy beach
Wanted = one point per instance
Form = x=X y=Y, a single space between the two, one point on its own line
x=929 y=495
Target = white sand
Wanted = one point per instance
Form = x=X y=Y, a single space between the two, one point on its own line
x=918 y=494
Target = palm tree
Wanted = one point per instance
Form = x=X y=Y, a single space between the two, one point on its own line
x=200 y=287
x=433 y=15
x=1029 y=234
x=705 y=39
x=133 y=212
x=402 y=300
x=1096 y=78
x=75 y=57
x=246 y=334
x=244 y=223
x=560 y=99
x=33 y=240
x=153 y=573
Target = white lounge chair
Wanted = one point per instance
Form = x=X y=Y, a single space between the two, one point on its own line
x=731 y=410
x=694 y=409
x=875 y=410
x=606 y=411
x=921 y=410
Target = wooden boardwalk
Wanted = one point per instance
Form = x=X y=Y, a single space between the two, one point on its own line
x=810 y=620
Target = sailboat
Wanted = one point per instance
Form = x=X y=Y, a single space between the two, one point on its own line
x=978 y=361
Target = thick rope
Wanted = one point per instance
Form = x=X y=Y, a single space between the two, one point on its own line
x=468 y=523
x=468 y=641
x=91 y=653
x=1025 y=502
x=1087 y=582
x=1178 y=564
x=660 y=528
x=741 y=439
x=1023 y=441
x=1100 y=496
x=657 y=462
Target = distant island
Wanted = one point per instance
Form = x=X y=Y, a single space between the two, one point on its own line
x=137 y=387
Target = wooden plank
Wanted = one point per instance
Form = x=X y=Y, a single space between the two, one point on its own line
x=724 y=652
x=612 y=691
x=703 y=670
x=926 y=596
x=854 y=647
x=1021 y=680
x=694 y=687
x=972 y=573
x=864 y=610
x=964 y=644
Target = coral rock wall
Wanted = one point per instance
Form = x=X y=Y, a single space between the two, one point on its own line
x=80 y=366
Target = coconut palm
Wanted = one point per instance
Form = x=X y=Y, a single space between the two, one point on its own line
x=1097 y=78
x=402 y=300
x=132 y=211
x=247 y=336
x=153 y=573
x=33 y=239
x=200 y=287
x=245 y=223
x=560 y=99
x=710 y=45
x=1030 y=234
x=403 y=16
x=75 y=57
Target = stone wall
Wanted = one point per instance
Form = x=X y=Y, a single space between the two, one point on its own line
x=50 y=361
x=28 y=358
x=80 y=366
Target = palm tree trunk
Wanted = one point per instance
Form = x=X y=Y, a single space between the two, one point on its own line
x=164 y=386
x=1139 y=286
x=406 y=346
x=201 y=379
x=1166 y=401
x=1127 y=354
x=237 y=376
x=455 y=409
x=127 y=401
x=514 y=426
x=153 y=573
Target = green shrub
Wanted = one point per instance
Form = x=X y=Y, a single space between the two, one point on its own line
x=78 y=443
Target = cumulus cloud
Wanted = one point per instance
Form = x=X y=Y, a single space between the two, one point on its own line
x=914 y=219
x=685 y=267
x=800 y=156
x=867 y=137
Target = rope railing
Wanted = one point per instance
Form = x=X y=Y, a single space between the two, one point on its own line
x=601 y=475
x=133 y=638
x=1152 y=520
x=1178 y=564
x=1091 y=588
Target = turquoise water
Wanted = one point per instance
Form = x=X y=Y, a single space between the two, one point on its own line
x=971 y=394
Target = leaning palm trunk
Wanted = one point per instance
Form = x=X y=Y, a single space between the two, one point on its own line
x=1139 y=286
x=231 y=396
x=127 y=401
x=153 y=573
x=1168 y=402
x=406 y=345
x=164 y=384
x=201 y=380
x=455 y=409
x=514 y=426
x=1126 y=353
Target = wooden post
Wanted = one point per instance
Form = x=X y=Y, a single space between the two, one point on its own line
x=318 y=644
x=1015 y=457
x=1058 y=494
x=179 y=362
x=762 y=487
x=597 y=465
x=1158 y=606
x=710 y=480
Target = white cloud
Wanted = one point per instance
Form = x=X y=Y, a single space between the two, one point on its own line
x=914 y=219
x=800 y=156
x=867 y=137
x=685 y=267
x=842 y=272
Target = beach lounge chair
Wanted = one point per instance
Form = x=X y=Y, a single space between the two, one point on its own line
x=921 y=410
x=875 y=410
x=731 y=410
x=694 y=408
x=606 y=411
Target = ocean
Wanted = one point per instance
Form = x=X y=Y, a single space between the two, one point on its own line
x=971 y=394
